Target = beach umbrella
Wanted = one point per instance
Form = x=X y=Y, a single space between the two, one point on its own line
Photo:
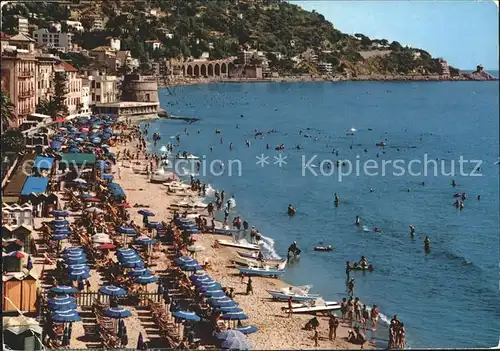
x=146 y=279
x=213 y=293
x=59 y=221
x=140 y=342
x=234 y=316
x=63 y=289
x=62 y=231
x=230 y=334
x=210 y=287
x=112 y=290
x=76 y=260
x=73 y=249
x=127 y=230
x=60 y=213
x=186 y=316
x=204 y=282
x=236 y=344
x=78 y=267
x=80 y=180
x=195 y=276
x=73 y=254
x=79 y=274
x=62 y=303
x=66 y=316
x=117 y=312
x=222 y=301
x=59 y=237
x=136 y=272
x=190 y=267
x=127 y=257
x=101 y=238
x=227 y=309
x=144 y=240
x=146 y=212
x=249 y=329
x=124 y=250
x=94 y=209
x=133 y=264
x=183 y=260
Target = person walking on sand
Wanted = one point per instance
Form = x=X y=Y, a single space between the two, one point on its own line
x=290 y=306
x=249 y=286
x=316 y=337
x=333 y=324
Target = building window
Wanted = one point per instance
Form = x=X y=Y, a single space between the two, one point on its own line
x=98 y=98
x=98 y=85
x=93 y=97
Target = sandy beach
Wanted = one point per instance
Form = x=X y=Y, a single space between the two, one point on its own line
x=276 y=330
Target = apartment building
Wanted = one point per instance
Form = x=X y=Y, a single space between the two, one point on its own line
x=18 y=72
x=53 y=40
x=325 y=67
x=74 y=85
x=45 y=77
x=103 y=88
x=22 y=25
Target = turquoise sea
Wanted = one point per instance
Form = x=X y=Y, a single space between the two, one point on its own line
x=447 y=298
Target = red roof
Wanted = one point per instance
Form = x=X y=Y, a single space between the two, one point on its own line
x=67 y=67
x=4 y=36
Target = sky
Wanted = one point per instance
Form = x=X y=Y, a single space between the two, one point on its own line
x=465 y=33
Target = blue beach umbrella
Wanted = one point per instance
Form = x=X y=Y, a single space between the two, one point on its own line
x=145 y=279
x=136 y=272
x=235 y=344
x=63 y=289
x=66 y=316
x=227 y=309
x=213 y=293
x=112 y=290
x=195 y=276
x=210 y=287
x=117 y=312
x=62 y=230
x=127 y=230
x=78 y=275
x=59 y=221
x=249 y=329
x=183 y=260
x=60 y=213
x=145 y=241
x=186 y=316
x=76 y=260
x=73 y=254
x=191 y=267
x=62 y=304
x=127 y=256
x=73 y=249
x=133 y=264
x=145 y=212
x=230 y=334
x=58 y=237
x=81 y=266
x=124 y=250
x=204 y=282
x=223 y=302
x=234 y=316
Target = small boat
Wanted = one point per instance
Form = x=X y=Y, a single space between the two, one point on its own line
x=314 y=306
x=245 y=245
x=358 y=267
x=187 y=157
x=381 y=144
x=162 y=177
x=226 y=231
x=298 y=294
x=323 y=248
x=255 y=256
x=263 y=272
x=244 y=262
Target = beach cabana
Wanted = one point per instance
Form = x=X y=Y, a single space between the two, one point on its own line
x=19 y=292
x=32 y=190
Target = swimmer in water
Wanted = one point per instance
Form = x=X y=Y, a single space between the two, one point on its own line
x=453 y=184
x=230 y=146
x=358 y=222
x=412 y=230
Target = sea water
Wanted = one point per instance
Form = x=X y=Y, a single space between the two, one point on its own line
x=447 y=298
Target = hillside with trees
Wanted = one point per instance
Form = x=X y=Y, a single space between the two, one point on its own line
x=187 y=28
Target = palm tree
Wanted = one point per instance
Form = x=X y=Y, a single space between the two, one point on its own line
x=8 y=113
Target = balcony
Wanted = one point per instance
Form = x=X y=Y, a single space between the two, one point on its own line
x=26 y=74
x=26 y=94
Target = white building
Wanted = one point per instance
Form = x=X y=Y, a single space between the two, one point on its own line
x=85 y=110
x=102 y=88
x=22 y=25
x=75 y=25
x=325 y=67
x=59 y=41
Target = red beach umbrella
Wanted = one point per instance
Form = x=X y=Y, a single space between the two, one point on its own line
x=92 y=199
